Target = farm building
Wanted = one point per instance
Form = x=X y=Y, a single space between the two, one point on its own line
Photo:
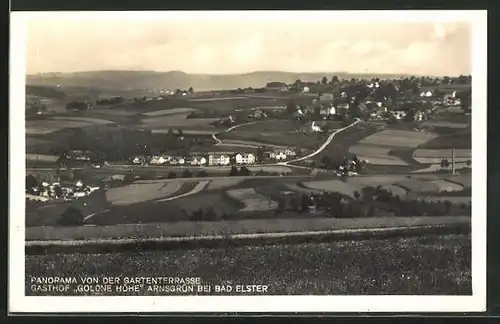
x=219 y=159
x=245 y=158
x=281 y=154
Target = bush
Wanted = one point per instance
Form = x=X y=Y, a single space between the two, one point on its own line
x=234 y=171
x=71 y=217
x=186 y=174
x=171 y=175
x=244 y=171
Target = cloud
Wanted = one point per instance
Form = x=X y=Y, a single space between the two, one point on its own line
x=235 y=47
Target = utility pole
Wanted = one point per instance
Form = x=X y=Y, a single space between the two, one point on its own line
x=453 y=161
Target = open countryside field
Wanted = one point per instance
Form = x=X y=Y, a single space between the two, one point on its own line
x=428 y=265
x=444 y=124
x=376 y=154
x=96 y=121
x=339 y=147
x=139 y=192
x=398 y=184
x=178 y=120
x=57 y=123
x=344 y=188
x=41 y=127
x=458 y=140
x=379 y=148
x=217 y=99
x=252 y=200
x=283 y=139
x=398 y=138
x=168 y=211
x=435 y=156
x=171 y=111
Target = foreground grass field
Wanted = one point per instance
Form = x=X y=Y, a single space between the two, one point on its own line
x=429 y=265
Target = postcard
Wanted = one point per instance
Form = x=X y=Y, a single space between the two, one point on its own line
x=248 y=161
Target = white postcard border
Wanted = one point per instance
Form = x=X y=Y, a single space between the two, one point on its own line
x=20 y=303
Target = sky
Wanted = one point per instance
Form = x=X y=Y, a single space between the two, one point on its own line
x=231 y=47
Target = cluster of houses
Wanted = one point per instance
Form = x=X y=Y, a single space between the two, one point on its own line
x=218 y=158
x=54 y=190
x=340 y=104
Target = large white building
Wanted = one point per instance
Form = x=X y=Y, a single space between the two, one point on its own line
x=198 y=160
x=219 y=159
x=245 y=158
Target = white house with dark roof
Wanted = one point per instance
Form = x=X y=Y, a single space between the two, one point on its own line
x=245 y=158
x=219 y=159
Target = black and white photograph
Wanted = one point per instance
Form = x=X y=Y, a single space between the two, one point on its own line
x=255 y=161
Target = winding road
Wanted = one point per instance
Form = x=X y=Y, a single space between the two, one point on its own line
x=322 y=147
x=218 y=141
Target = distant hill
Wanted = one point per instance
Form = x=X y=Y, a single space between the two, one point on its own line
x=45 y=92
x=132 y=80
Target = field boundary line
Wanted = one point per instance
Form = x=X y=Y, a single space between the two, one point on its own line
x=217 y=241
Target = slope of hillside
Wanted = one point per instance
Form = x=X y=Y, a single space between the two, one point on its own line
x=177 y=79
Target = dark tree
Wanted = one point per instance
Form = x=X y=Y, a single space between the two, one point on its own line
x=291 y=108
x=190 y=90
x=71 y=217
x=171 y=175
x=58 y=191
x=202 y=174
x=317 y=112
x=305 y=202
x=281 y=206
x=31 y=182
x=371 y=211
x=445 y=163
x=324 y=80
x=244 y=171
x=260 y=154
x=234 y=171
x=186 y=174
x=447 y=205
x=357 y=195
x=469 y=163
x=210 y=215
x=326 y=161
x=197 y=215
x=294 y=204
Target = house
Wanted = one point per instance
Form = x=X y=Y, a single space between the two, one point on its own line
x=277 y=155
x=198 y=160
x=219 y=159
x=245 y=158
x=398 y=114
x=138 y=160
x=306 y=90
x=418 y=116
x=157 y=159
x=289 y=152
x=316 y=128
x=325 y=111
